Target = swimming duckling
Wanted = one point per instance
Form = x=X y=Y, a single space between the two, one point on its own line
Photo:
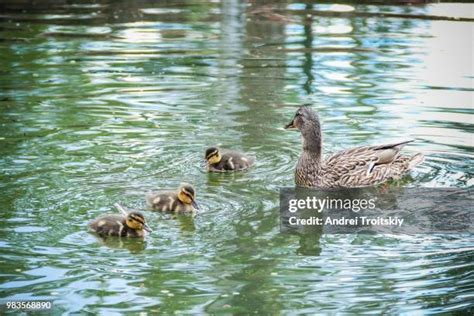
x=130 y=224
x=180 y=201
x=226 y=160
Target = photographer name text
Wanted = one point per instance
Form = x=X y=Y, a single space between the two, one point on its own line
x=343 y=221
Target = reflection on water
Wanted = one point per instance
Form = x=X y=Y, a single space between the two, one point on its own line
x=104 y=101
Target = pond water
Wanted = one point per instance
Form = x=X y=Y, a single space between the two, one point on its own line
x=102 y=101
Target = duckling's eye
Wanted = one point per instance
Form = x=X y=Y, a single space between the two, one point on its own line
x=298 y=113
x=136 y=219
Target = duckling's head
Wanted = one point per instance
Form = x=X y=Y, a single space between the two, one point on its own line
x=305 y=118
x=187 y=195
x=136 y=220
x=213 y=155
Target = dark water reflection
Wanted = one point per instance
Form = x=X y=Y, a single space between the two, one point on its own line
x=102 y=101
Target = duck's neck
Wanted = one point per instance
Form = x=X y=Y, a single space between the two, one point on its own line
x=312 y=143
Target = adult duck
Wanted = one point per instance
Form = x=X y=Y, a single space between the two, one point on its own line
x=351 y=168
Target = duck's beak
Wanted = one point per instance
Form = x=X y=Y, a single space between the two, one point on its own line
x=195 y=205
x=290 y=125
x=147 y=228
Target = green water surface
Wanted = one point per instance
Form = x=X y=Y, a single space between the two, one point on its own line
x=102 y=101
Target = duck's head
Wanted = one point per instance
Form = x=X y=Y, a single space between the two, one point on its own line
x=305 y=118
x=213 y=155
x=307 y=122
x=187 y=195
x=136 y=220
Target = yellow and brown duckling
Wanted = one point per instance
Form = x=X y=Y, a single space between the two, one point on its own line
x=127 y=224
x=180 y=201
x=219 y=160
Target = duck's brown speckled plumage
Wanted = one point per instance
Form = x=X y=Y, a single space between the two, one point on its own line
x=356 y=167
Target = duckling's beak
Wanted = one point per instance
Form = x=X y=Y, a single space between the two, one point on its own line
x=195 y=205
x=147 y=228
x=290 y=125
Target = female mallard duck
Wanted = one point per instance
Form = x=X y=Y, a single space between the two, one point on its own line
x=131 y=224
x=356 y=167
x=180 y=201
x=226 y=160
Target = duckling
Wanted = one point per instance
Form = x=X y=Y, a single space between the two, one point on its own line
x=357 y=167
x=225 y=160
x=130 y=224
x=180 y=201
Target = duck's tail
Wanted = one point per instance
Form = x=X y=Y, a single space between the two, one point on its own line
x=416 y=160
x=121 y=209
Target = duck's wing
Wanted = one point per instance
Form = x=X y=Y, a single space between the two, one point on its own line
x=367 y=165
x=235 y=160
x=151 y=196
x=366 y=156
x=157 y=198
x=107 y=224
x=243 y=161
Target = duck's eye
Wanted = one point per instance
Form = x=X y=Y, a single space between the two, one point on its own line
x=298 y=113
